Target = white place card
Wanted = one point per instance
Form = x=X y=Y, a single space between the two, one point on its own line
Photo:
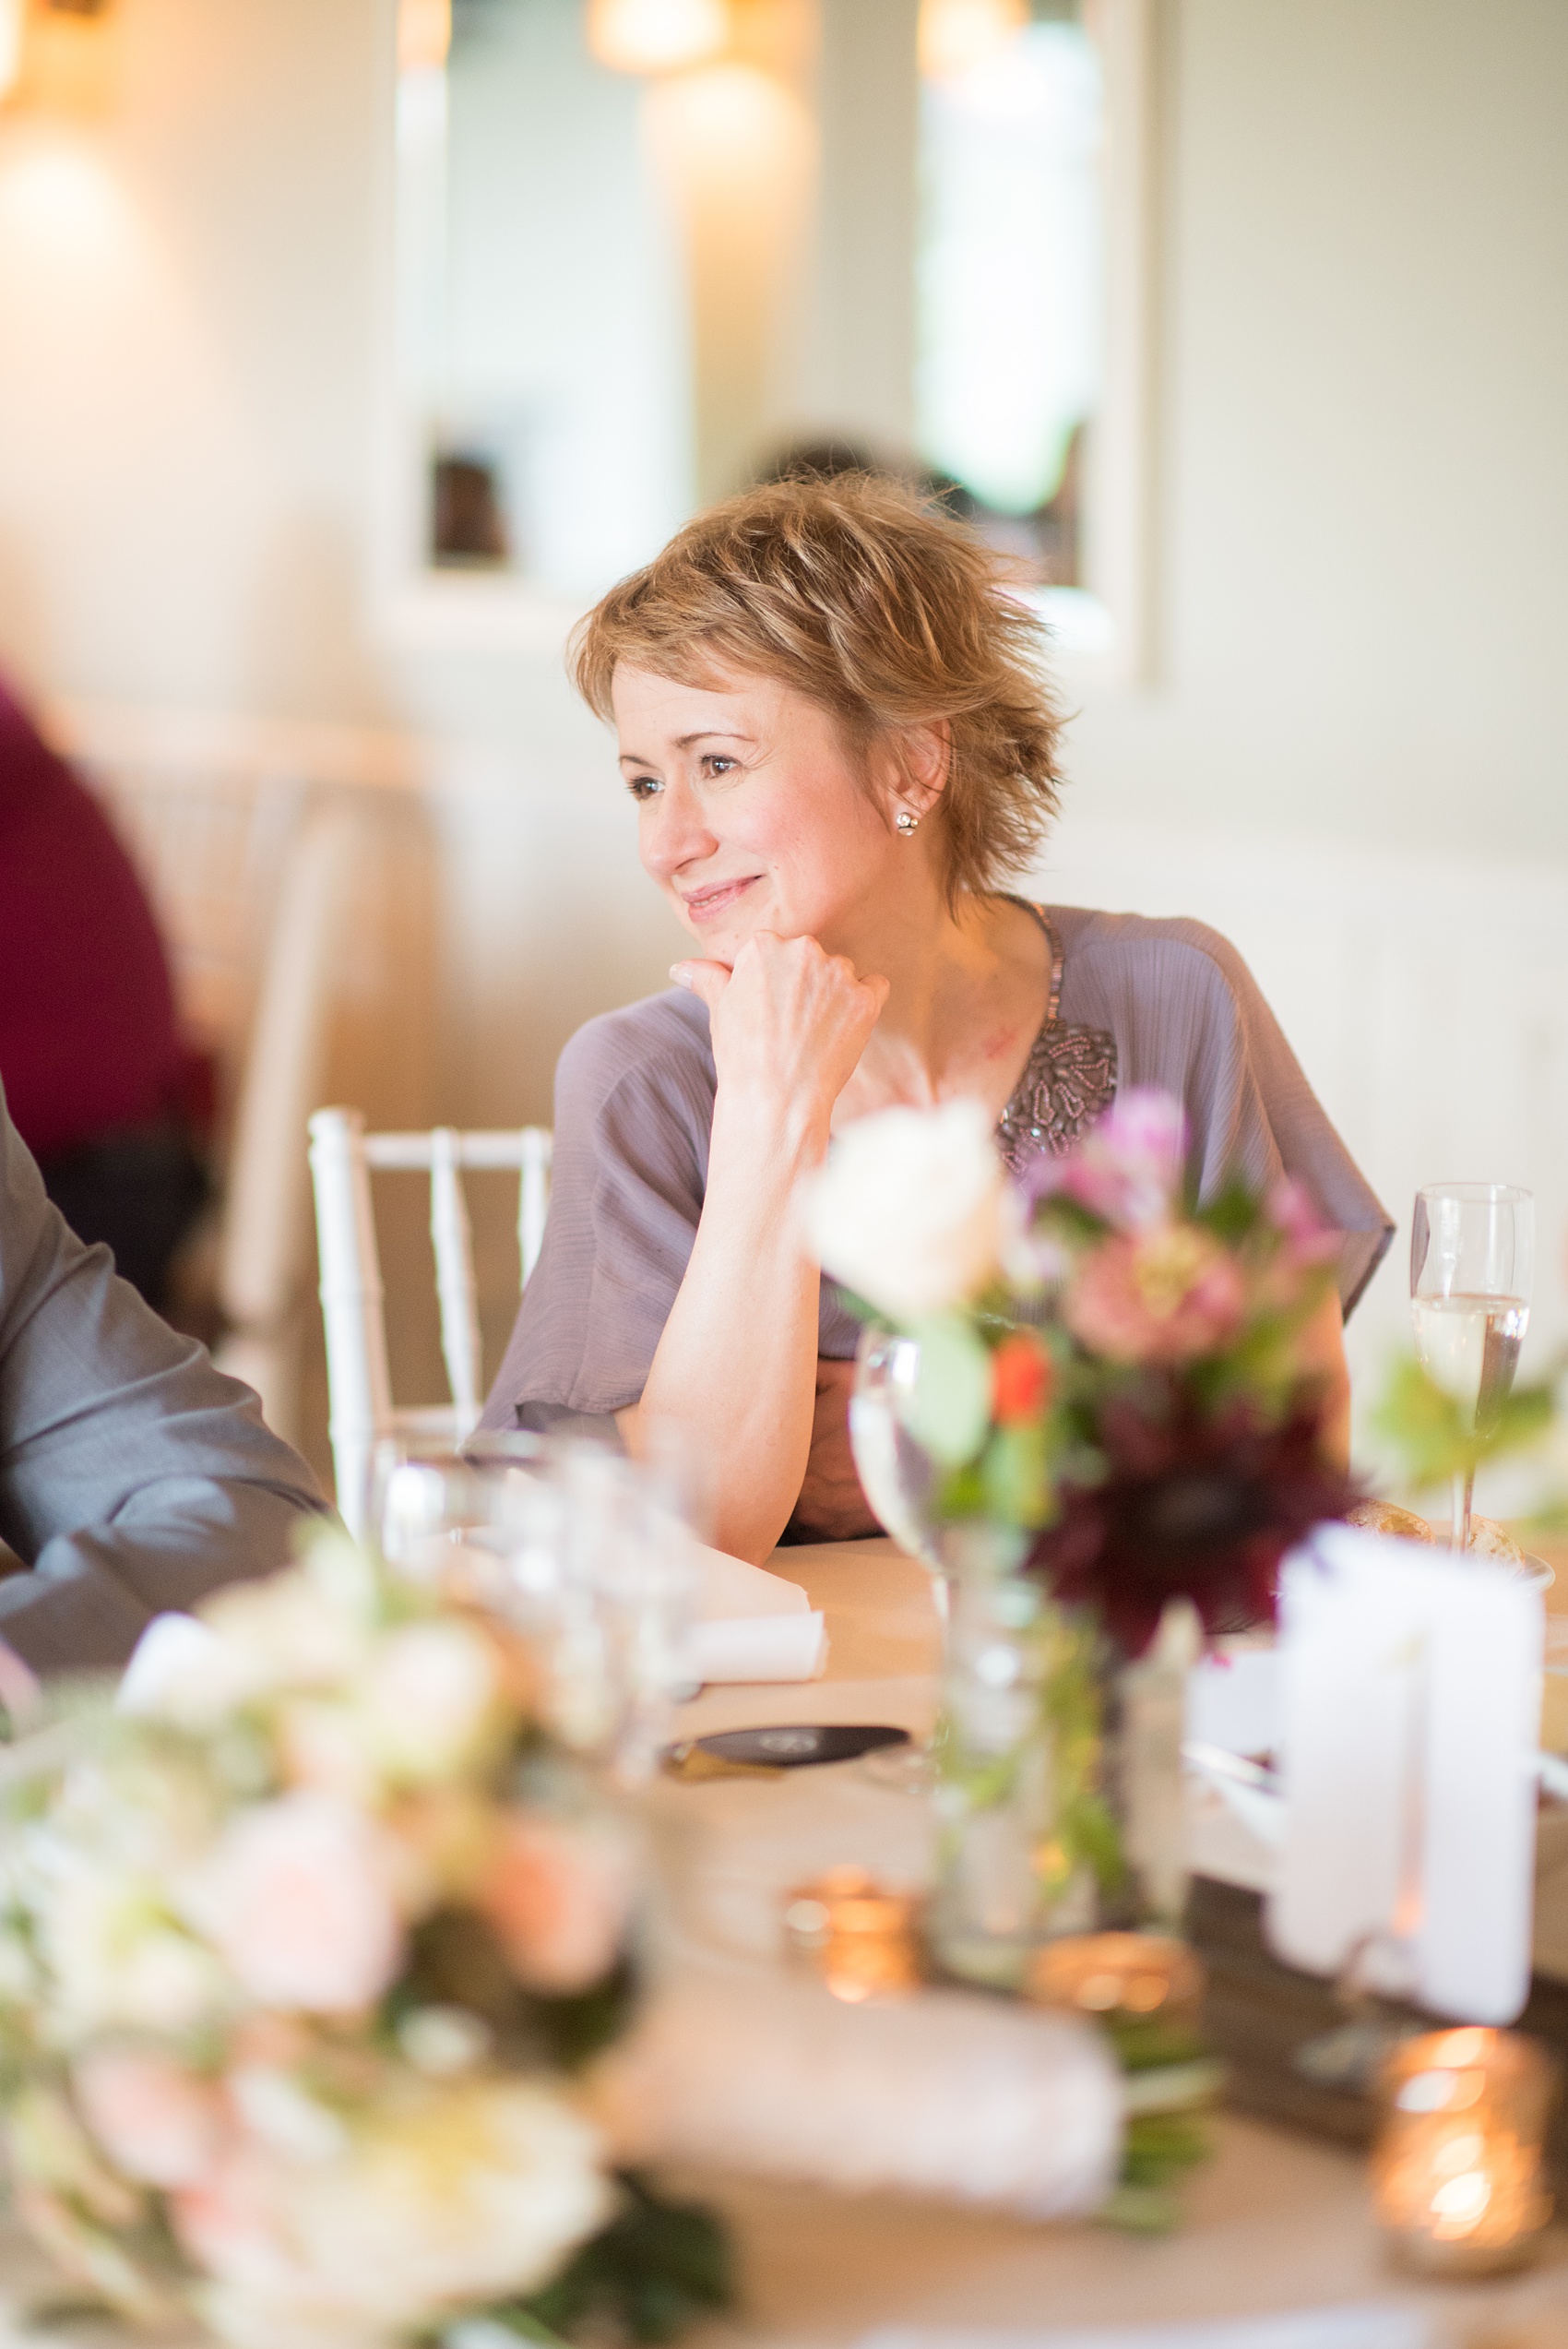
x=1410 y=1706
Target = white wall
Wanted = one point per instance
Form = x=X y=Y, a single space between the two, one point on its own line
x=1362 y=468
x=1362 y=582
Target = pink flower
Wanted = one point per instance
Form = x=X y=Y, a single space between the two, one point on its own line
x=1128 y=1168
x=1294 y=1214
x=157 y=2121
x=559 y=1897
x=1155 y=1296
x=297 y=1900
x=228 y=2223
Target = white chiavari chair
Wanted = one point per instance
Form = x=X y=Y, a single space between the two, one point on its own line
x=343 y=1159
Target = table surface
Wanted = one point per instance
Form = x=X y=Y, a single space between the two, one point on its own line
x=1276 y=2222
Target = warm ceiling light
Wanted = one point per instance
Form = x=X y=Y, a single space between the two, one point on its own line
x=956 y=35
x=655 y=36
x=10 y=42
x=425 y=35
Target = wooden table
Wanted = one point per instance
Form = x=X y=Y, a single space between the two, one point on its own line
x=1276 y=2222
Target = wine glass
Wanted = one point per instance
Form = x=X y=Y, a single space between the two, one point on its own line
x=1472 y=1254
x=585 y=1552
x=896 y=1471
x=900 y=1480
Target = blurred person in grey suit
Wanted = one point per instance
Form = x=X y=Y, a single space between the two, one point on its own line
x=133 y=1476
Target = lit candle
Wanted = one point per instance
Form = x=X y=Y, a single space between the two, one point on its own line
x=1147 y=1975
x=1456 y=2169
x=861 y=1936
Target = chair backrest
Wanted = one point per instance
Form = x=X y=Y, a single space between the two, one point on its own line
x=249 y=835
x=354 y=1304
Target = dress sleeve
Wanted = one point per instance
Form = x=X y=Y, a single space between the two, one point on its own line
x=633 y=1106
x=133 y=1476
x=1201 y=1028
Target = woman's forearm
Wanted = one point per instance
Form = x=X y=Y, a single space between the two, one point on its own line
x=736 y=1367
x=1322 y=1353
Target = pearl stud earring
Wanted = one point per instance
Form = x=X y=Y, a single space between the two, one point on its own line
x=905 y=823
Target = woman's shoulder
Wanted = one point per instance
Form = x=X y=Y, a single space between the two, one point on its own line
x=660 y=1044
x=1109 y=958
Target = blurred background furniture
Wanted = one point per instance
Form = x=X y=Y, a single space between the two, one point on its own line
x=342 y=1156
x=254 y=841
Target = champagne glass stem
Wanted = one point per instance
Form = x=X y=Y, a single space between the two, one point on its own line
x=1464 y=1496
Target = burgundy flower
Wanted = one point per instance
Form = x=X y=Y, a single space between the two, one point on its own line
x=1190 y=1506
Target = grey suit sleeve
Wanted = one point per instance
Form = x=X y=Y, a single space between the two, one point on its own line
x=134 y=1477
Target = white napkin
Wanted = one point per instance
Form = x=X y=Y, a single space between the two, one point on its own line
x=757 y=1647
x=728 y=1587
x=751 y=1625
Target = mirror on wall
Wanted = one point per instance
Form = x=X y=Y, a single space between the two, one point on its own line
x=647 y=251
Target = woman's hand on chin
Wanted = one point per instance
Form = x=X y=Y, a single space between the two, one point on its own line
x=788 y=1022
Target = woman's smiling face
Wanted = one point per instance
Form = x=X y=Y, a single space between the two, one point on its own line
x=751 y=812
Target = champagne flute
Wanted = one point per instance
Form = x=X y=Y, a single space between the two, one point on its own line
x=1472 y=1253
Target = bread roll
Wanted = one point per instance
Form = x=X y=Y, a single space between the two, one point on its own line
x=1383 y=1517
x=1488 y=1539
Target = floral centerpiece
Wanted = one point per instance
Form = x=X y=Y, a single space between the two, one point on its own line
x=301 y=1942
x=1112 y=1378
x=1107 y=1367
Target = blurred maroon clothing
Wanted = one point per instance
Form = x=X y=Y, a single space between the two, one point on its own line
x=88 y=1040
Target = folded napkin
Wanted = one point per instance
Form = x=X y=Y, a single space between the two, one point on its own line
x=751 y=1625
x=727 y=1586
x=1355 y=2328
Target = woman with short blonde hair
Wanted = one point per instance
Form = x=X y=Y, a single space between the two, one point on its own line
x=835 y=723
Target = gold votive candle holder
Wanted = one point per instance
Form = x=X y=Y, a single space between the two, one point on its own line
x=1457 y=2177
x=1149 y=1976
x=861 y=1936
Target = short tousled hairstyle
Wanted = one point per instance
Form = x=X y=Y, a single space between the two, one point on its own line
x=881 y=608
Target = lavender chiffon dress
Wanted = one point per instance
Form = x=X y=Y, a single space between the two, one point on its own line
x=1133 y=1002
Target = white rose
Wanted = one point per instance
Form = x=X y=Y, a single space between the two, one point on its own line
x=117 y=1958
x=287 y=1630
x=468 y=2192
x=297 y=1900
x=462 y=2192
x=908 y=1211
x=428 y=1698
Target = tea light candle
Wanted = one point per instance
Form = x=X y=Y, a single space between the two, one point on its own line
x=1457 y=2168
x=860 y=1936
x=1147 y=1975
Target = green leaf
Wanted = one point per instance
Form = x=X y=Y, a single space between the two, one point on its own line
x=1232 y=1216
x=1432 y=1431
x=950 y=1409
x=1140 y=2210
x=1015 y=1480
x=654 y=2269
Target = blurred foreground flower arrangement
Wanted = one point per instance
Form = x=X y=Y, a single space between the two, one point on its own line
x=302 y=1942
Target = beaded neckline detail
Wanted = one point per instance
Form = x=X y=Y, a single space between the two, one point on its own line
x=1068 y=1081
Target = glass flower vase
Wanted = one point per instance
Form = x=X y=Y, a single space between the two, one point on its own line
x=1058 y=1795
